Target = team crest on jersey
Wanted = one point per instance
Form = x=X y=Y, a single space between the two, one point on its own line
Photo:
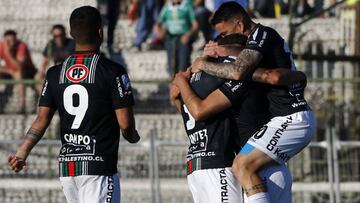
x=126 y=81
x=77 y=73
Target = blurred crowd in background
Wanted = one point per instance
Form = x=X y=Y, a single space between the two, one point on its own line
x=170 y=25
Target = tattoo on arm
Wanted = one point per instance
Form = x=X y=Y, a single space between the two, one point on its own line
x=246 y=62
x=256 y=188
x=34 y=135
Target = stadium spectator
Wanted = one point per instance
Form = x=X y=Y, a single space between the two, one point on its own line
x=147 y=12
x=17 y=63
x=177 y=23
x=109 y=10
x=264 y=8
x=203 y=15
x=303 y=8
x=244 y=3
x=56 y=51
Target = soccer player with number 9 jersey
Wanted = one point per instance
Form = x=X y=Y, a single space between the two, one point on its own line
x=94 y=99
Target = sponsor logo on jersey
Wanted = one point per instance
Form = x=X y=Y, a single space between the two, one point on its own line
x=76 y=145
x=272 y=145
x=44 y=88
x=126 y=81
x=263 y=39
x=198 y=141
x=260 y=133
x=120 y=89
x=195 y=77
x=110 y=188
x=236 y=87
x=224 y=186
x=77 y=139
x=77 y=73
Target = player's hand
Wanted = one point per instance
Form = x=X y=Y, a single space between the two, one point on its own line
x=181 y=79
x=210 y=49
x=198 y=64
x=133 y=138
x=174 y=93
x=16 y=163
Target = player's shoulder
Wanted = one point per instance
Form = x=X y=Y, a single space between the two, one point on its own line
x=269 y=31
x=112 y=66
x=54 y=70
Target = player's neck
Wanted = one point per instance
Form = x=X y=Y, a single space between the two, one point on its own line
x=86 y=47
x=252 y=27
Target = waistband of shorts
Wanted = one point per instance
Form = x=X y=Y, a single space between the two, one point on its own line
x=79 y=168
x=202 y=163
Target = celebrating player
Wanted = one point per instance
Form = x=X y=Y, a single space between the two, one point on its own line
x=94 y=99
x=292 y=125
x=205 y=105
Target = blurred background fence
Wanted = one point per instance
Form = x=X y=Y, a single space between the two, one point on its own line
x=326 y=49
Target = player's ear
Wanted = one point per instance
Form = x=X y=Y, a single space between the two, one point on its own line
x=241 y=26
x=101 y=35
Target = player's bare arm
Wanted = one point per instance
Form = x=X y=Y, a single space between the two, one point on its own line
x=245 y=63
x=200 y=109
x=279 y=76
x=126 y=120
x=32 y=137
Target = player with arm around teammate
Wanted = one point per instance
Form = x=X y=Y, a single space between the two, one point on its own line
x=249 y=110
x=93 y=97
x=292 y=123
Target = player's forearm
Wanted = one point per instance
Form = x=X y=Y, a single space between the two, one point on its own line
x=239 y=70
x=223 y=70
x=31 y=138
x=192 y=101
x=130 y=133
x=36 y=131
x=177 y=104
x=127 y=124
x=279 y=76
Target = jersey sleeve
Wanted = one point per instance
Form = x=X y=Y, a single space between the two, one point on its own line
x=47 y=95
x=260 y=40
x=122 y=95
x=235 y=91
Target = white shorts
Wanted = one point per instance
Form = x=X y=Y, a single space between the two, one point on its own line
x=91 y=189
x=278 y=182
x=284 y=136
x=214 y=186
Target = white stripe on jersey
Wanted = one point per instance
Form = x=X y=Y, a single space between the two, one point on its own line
x=62 y=74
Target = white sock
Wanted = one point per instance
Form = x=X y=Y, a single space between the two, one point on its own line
x=261 y=197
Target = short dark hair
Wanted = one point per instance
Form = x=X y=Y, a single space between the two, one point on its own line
x=59 y=27
x=85 y=23
x=232 y=39
x=231 y=10
x=10 y=33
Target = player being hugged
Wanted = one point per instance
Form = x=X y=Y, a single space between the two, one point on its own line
x=292 y=123
x=94 y=99
x=230 y=112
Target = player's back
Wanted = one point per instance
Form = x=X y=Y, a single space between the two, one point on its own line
x=284 y=100
x=86 y=89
